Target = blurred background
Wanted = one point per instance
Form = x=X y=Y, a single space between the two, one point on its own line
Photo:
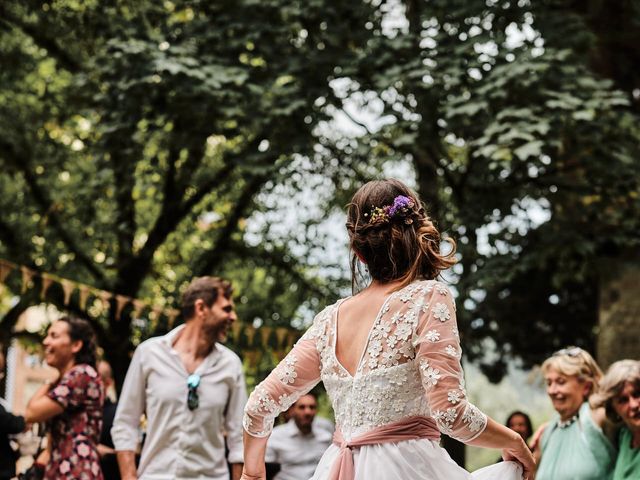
x=145 y=142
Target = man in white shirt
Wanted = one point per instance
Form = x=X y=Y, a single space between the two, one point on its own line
x=191 y=389
x=299 y=444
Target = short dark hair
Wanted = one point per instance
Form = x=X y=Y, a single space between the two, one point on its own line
x=205 y=289
x=80 y=329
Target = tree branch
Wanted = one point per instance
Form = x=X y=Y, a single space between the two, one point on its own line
x=216 y=254
x=47 y=209
x=276 y=259
x=37 y=34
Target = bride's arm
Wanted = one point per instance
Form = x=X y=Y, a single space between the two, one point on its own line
x=294 y=376
x=437 y=347
x=254 y=451
x=512 y=445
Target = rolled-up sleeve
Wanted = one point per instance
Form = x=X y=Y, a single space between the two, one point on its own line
x=233 y=418
x=131 y=405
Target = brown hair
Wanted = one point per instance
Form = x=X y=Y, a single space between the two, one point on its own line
x=205 y=289
x=80 y=329
x=403 y=247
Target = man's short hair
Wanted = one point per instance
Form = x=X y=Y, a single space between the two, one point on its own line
x=205 y=289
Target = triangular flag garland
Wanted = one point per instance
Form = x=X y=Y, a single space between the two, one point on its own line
x=279 y=339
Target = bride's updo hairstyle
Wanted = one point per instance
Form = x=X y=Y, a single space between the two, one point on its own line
x=391 y=233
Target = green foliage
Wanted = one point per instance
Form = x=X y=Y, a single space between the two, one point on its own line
x=137 y=138
x=523 y=152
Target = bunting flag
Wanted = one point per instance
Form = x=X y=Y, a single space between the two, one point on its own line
x=46 y=283
x=138 y=306
x=121 y=302
x=250 y=333
x=235 y=330
x=27 y=276
x=5 y=270
x=84 y=294
x=67 y=287
x=173 y=314
x=283 y=337
x=105 y=297
x=265 y=332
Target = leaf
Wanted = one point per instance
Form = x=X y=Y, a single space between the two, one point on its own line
x=530 y=149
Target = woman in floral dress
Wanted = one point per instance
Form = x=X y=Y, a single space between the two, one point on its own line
x=389 y=358
x=71 y=406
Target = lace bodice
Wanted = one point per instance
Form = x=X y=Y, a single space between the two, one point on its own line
x=410 y=366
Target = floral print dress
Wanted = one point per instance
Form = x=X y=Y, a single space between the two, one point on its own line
x=75 y=433
x=410 y=367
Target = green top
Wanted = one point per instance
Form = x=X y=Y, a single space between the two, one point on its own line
x=579 y=451
x=628 y=462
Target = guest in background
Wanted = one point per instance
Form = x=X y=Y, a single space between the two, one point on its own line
x=297 y=446
x=520 y=422
x=71 y=406
x=573 y=446
x=192 y=390
x=9 y=424
x=108 y=459
x=620 y=396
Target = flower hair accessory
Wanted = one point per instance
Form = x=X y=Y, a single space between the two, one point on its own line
x=400 y=208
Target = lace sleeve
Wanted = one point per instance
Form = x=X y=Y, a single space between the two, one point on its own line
x=294 y=376
x=437 y=346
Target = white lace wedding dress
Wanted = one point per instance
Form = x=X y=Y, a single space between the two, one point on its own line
x=410 y=367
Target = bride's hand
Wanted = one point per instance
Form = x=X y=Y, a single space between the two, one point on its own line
x=520 y=453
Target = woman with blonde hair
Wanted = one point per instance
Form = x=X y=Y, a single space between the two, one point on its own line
x=573 y=446
x=620 y=396
x=389 y=357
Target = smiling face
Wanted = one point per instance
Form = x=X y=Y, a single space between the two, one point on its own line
x=567 y=392
x=59 y=348
x=627 y=405
x=217 y=318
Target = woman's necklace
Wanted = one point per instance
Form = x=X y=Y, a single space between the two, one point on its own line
x=567 y=422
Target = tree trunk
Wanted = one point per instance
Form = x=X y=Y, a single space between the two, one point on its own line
x=619 y=311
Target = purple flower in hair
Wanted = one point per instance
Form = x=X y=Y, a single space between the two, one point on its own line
x=400 y=205
x=399 y=209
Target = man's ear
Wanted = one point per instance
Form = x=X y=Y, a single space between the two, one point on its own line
x=198 y=306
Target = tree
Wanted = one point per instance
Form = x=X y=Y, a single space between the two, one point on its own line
x=523 y=132
x=137 y=137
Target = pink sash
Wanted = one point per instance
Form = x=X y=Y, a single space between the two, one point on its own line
x=410 y=428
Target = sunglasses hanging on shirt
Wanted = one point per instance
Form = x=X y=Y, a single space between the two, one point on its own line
x=193 y=382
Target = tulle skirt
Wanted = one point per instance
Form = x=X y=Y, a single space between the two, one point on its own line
x=412 y=459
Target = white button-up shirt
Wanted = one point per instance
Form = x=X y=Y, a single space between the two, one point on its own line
x=180 y=443
x=298 y=454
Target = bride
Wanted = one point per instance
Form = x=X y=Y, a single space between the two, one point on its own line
x=389 y=358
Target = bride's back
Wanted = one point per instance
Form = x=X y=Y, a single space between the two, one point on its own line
x=354 y=319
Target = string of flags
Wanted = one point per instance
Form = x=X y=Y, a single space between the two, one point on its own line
x=251 y=340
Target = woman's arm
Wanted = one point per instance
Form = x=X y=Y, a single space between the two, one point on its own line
x=41 y=407
x=512 y=445
x=254 y=450
x=438 y=352
x=294 y=376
